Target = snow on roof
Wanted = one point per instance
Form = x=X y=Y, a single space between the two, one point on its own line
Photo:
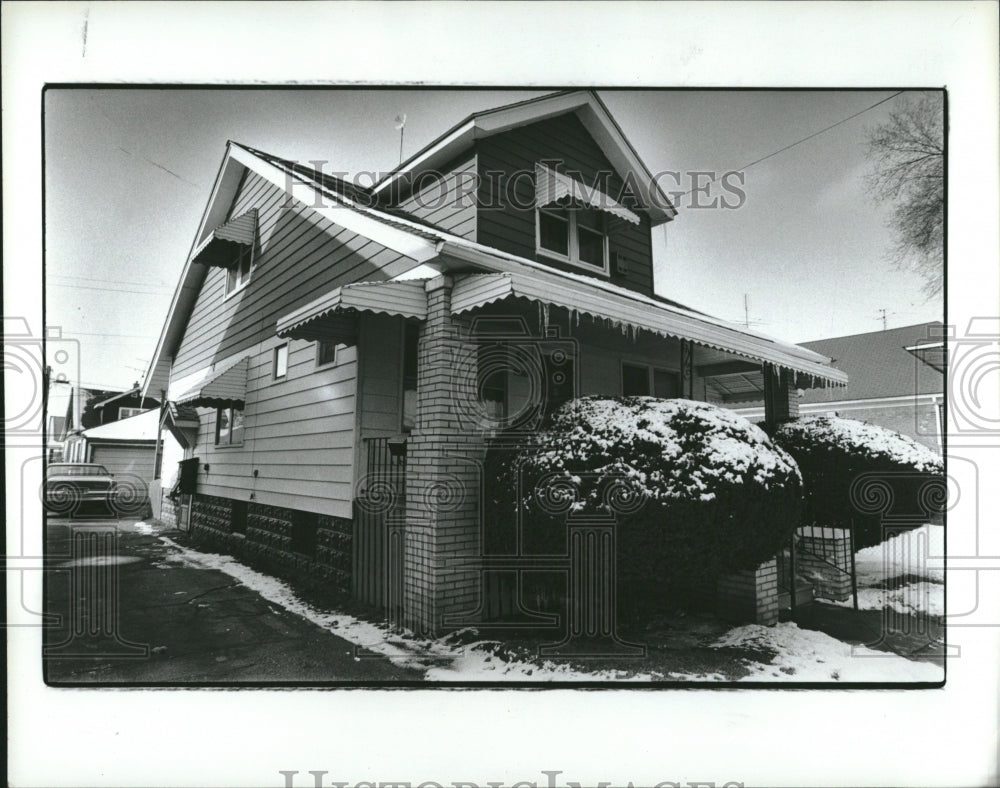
x=136 y=428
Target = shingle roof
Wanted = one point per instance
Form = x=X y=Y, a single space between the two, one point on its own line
x=878 y=364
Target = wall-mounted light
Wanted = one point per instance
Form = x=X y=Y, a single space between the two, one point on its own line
x=207 y=466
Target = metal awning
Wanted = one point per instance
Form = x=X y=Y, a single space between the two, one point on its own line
x=933 y=354
x=223 y=246
x=333 y=316
x=476 y=290
x=183 y=423
x=222 y=389
x=552 y=186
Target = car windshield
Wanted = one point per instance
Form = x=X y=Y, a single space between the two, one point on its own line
x=78 y=470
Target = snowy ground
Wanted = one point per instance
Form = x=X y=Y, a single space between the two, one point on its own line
x=901 y=573
x=753 y=653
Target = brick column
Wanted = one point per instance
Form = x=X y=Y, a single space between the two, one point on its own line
x=781 y=398
x=749 y=596
x=444 y=455
x=822 y=559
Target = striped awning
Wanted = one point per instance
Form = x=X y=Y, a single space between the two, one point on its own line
x=332 y=316
x=223 y=246
x=222 y=389
x=476 y=290
x=552 y=186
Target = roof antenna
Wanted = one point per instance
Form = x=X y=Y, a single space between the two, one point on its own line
x=400 y=124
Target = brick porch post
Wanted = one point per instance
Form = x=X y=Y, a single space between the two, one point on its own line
x=444 y=456
x=781 y=398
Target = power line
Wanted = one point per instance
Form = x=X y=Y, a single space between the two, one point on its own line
x=799 y=142
x=106 y=281
x=108 y=289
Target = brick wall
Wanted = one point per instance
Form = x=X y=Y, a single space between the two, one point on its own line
x=821 y=558
x=750 y=596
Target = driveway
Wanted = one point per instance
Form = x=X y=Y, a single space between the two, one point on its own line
x=123 y=614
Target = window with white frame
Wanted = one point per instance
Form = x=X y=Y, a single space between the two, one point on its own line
x=127 y=413
x=574 y=235
x=280 y=363
x=229 y=426
x=326 y=353
x=238 y=274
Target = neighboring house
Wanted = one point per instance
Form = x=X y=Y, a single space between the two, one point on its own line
x=335 y=358
x=896 y=381
x=87 y=408
x=129 y=448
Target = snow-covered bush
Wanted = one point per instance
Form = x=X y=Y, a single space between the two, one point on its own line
x=861 y=473
x=696 y=490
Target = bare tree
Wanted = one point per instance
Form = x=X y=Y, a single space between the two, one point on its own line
x=906 y=153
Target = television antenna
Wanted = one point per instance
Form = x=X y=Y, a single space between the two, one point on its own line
x=401 y=124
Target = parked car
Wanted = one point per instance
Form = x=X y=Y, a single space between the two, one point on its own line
x=70 y=486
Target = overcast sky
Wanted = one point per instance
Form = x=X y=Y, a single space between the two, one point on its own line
x=129 y=172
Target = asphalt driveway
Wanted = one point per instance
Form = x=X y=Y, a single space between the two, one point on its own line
x=123 y=614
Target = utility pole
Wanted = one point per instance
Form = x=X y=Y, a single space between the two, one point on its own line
x=746 y=309
x=882 y=317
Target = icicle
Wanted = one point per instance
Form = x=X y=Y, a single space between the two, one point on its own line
x=545 y=313
x=577 y=318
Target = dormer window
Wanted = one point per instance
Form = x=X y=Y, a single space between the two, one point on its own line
x=571 y=220
x=573 y=235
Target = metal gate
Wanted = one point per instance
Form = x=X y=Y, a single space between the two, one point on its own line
x=818 y=560
x=379 y=518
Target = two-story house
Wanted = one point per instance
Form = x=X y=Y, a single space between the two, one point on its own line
x=342 y=354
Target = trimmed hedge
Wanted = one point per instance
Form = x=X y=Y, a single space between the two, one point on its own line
x=855 y=472
x=696 y=491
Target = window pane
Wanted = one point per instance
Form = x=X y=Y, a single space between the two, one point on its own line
x=635 y=381
x=236 y=431
x=590 y=218
x=553 y=232
x=222 y=426
x=591 y=247
x=411 y=337
x=327 y=353
x=666 y=384
x=231 y=279
x=281 y=361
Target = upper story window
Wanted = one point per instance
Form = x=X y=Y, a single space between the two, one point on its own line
x=574 y=235
x=239 y=274
x=127 y=413
x=571 y=220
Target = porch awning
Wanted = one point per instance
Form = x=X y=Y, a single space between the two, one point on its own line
x=221 y=389
x=476 y=290
x=183 y=423
x=552 y=186
x=332 y=316
x=933 y=354
x=222 y=247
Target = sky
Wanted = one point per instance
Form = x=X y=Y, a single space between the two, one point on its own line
x=128 y=173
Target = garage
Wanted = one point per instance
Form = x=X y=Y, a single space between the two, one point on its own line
x=135 y=459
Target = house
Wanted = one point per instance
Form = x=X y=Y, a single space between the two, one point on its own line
x=87 y=408
x=896 y=381
x=335 y=358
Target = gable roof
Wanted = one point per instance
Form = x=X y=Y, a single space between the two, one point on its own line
x=142 y=427
x=878 y=363
x=585 y=104
x=423 y=244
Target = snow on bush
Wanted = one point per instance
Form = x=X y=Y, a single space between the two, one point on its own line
x=859 y=437
x=859 y=473
x=696 y=490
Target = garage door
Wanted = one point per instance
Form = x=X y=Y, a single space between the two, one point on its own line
x=119 y=460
